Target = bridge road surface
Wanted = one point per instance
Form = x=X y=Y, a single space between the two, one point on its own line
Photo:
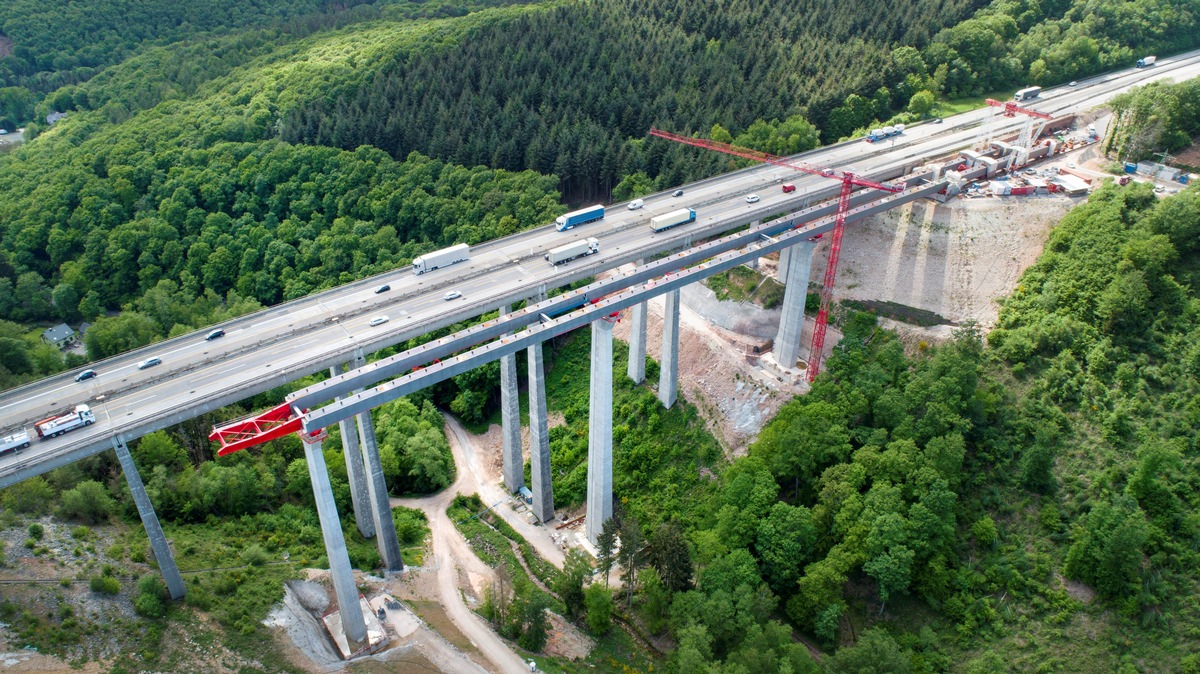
x=269 y=348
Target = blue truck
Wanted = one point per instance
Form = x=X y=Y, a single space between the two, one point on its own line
x=579 y=217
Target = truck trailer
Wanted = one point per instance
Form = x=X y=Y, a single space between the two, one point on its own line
x=441 y=258
x=886 y=132
x=11 y=443
x=69 y=421
x=579 y=217
x=1027 y=93
x=569 y=252
x=1146 y=61
x=672 y=219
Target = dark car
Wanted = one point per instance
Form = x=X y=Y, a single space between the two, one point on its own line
x=677 y=193
x=214 y=335
x=382 y=289
x=85 y=375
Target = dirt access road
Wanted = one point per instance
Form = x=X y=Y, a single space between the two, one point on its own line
x=452 y=554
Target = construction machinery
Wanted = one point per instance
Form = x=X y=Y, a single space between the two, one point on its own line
x=849 y=182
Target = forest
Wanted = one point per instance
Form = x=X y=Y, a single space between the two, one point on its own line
x=617 y=68
x=158 y=171
x=949 y=509
x=941 y=510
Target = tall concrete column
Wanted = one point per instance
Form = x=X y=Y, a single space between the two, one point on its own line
x=510 y=422
x=158 y=540
x=791 y=322
x=599 y=493
x=668 y=373
x=355 y=472
x=539 y=438
x=637 y=340
x=785 y=256
x=381 y=507
x=753 y=264
x=344 y=587
x=637 y=344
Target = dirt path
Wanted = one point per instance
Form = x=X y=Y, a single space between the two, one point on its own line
x=451 y=553
x=488 y=486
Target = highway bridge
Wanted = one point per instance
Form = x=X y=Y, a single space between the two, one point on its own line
x=324 y=331
x=269 y=348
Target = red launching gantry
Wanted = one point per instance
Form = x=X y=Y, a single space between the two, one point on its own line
x=849 y=182
x=256 y=429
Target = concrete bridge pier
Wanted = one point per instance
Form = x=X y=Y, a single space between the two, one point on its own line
x=510 y=419
x=158 y=540
x=637 y=341
x=355 y=472
x=344 y=586
x=599 y=492
x=539 y=438
x=385 y=526
x=381 y=507
x=753 y=264
x=791 y=322
x=668 y=373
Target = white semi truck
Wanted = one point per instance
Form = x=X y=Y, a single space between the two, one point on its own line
x=69 y=421
x=1027 y=93
x=441 y=258
x=672 y=219
x=11 y=443
x=573 y=250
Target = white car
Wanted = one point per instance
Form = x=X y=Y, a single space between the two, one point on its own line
x=752 y=199
x=378 y=320
x=636 y=204
x=452 y=295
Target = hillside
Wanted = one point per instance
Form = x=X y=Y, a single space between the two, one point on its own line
x=1018 y=501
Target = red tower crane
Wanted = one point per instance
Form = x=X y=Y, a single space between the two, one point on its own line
x=1011 y=109
x=849 y=182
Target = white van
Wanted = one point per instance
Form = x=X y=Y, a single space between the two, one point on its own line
x=636 y=204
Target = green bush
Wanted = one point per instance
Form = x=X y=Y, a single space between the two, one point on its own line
x=36 y=532
x=151 y=599
x=105 y=585
x=254 y=555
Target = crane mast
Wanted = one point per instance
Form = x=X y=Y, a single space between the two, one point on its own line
x=849 y=182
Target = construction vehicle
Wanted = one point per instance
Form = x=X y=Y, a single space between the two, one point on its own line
x=51 y=427
x=672 y=219
x=569 y=252
x=1147 y=61
x=441 y=258
x=14 y=442
x=579 y=217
